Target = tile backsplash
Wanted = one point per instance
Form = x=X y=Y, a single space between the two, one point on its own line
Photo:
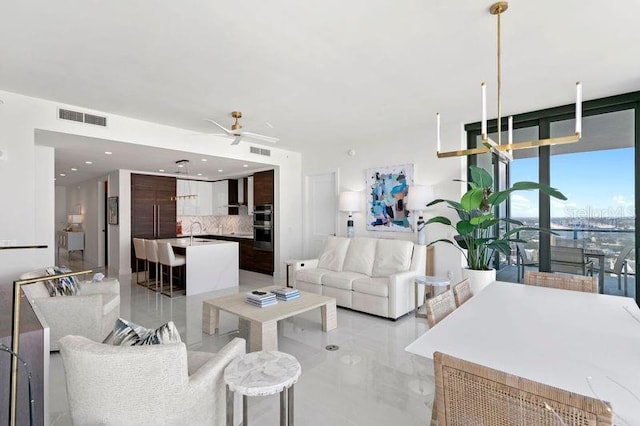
x=217 y=224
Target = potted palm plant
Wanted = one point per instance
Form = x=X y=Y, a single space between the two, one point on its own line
x=476 y=236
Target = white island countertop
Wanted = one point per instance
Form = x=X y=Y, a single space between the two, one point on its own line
x=211 y=264
x=210 y=236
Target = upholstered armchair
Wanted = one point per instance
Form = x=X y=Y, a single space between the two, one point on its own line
x=145 y=385
x=91 y=313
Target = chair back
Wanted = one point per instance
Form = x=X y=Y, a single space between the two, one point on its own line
x=469 y=393
x=621 y=260
x=562 y=281
x=165 y=254
x=151 y=250
x=139 y=248
x=462 y=292
x=569 y=260
x=439 y=307
x=101 y=377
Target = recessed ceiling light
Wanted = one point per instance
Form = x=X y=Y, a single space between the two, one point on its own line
x=180 y=165
x=245 y=165
x=108 y=152
x=161 y=170
x=62 y=174
x=204 y=159
x=73 y=169
x=199 y=174
x=220 y=170
x=54 y=179
x=88 y=162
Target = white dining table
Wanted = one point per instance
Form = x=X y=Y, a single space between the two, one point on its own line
x=581 y=342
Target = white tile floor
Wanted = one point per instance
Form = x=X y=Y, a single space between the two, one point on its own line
x=370 y=380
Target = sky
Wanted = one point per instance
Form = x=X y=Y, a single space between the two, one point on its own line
x=596 y=183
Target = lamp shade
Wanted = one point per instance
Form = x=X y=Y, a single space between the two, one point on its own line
x=419 y=196
x=75 y=218
x=349 y=201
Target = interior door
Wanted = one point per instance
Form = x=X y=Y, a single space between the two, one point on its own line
x=321 y=195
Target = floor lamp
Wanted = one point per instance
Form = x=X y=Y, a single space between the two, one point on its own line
x=417 y=199
x=349 y=202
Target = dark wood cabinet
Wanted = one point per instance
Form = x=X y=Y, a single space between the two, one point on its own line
x=153 y=207
x=233 y=196
x=263 y=187
x=250 y=258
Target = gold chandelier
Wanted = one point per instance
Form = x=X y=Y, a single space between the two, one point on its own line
x=504 y=150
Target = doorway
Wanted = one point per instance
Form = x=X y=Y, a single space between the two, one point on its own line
x=321 y=211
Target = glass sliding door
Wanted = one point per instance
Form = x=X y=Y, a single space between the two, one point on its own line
x=597 y=176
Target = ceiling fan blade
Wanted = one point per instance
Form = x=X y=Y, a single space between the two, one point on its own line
x=264 y=138
x=237 y=140
x=228 y=132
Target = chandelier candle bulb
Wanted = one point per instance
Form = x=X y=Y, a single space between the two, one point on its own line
x=437 y=132
x=484 y=110
x=579 y=108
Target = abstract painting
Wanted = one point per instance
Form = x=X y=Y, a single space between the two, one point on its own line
x=388 y=188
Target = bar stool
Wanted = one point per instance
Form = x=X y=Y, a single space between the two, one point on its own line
x=167 y=257
x=151 y=249
x=140 y=253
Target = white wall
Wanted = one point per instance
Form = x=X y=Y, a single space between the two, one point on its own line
x=20 y=116
x=82 y=198
x=428 y=170
x=61 y=217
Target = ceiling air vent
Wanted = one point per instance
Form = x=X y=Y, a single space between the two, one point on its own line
x=80 y=117
x=260 y=151
x=95 y=119
x=67 y=114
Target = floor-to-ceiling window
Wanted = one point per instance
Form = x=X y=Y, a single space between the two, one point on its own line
x=597 y=174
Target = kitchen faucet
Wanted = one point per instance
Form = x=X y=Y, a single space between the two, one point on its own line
x=191 y=230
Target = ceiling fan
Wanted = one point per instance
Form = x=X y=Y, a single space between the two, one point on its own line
x=238 y=134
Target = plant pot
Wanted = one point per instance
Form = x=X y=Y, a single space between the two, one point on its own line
x=478 y=280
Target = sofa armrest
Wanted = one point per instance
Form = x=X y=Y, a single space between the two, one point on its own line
x=401 y=293
x=305 y=264
x=106 y=286
x=299 y=265
x=209 y=380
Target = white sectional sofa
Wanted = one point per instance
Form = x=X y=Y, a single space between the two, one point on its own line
x=365 y=274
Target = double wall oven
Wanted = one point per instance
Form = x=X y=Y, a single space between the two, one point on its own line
x=263 y=227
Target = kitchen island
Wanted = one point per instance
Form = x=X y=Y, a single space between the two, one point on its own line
x=210 y=264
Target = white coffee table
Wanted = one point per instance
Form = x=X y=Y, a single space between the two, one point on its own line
x=263 y=322
x=430 y=282
x=259 y=374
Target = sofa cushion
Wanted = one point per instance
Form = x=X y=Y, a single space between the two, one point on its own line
x=196 y=359
x=313 y=276
x=360 y=256
x=392 y=256
x=341 y=280
x=373 y=286
x=126 y=333
x=333 y=253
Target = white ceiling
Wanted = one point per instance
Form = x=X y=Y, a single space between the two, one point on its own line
x=336 y=73
x=72 y=152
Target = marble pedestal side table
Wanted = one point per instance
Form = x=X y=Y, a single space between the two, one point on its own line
x=259 y=374
x=430 y=282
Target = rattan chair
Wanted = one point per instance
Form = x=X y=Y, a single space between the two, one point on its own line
x=439 y=307
x=462 y=292
x=562 y=281
x=469 y=394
